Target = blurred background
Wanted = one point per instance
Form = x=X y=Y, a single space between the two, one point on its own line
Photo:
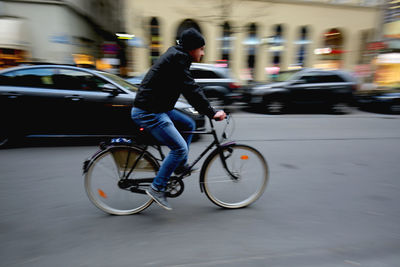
x=69 y=71
x=255 y=39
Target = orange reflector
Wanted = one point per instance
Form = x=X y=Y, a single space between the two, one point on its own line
x=244 y=157
x=101 y=193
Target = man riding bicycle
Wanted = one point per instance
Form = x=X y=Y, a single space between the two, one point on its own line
x=154 y=105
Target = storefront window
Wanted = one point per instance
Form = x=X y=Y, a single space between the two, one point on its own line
x=155 y=40
x=277 y=46
x=11 y=57
x=226 y=44
x=302 y=43
x=251 y=47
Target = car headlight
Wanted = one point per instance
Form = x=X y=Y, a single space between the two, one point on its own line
x=191 y=110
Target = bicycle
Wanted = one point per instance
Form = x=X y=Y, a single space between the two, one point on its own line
x=116 y=176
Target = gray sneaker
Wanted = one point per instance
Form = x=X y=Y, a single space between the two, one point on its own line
x=159 y=197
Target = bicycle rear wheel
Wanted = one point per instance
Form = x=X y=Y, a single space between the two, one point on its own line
x=103 y=176
x=246 y=185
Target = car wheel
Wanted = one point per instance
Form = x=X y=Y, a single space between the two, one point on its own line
x=275 y=106
x=395 y=107
x=340 y=108
x=3 y=139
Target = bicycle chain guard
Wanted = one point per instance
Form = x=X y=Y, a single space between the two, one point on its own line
x=174 y=188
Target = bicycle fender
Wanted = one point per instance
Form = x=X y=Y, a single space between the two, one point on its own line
x=88 y=161
x=208 y=159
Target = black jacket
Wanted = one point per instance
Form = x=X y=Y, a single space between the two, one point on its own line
x=166 y=80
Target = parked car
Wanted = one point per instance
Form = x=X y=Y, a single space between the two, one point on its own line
x=333 y=89
x=59 y=100
x=381 y=99
x=217 y=83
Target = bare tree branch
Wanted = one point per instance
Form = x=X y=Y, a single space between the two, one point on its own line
x=221 y=11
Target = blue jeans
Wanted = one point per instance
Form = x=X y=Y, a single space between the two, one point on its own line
x=163 y=127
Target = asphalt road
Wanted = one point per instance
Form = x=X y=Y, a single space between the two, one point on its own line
x=332 y=200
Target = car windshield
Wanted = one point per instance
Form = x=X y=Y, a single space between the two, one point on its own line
x=121 y=82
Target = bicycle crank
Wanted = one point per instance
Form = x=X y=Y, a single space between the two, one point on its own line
x=174 y=187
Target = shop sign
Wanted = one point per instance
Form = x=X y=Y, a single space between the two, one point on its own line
x=363 y=70
x=323 y=51
x=110 y=49
x=376 y=46
x=83 y=59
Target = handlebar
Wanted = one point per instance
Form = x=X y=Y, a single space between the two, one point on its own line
x=211 y=120
x=227 y=118
x=220 y=111
x=223 y=134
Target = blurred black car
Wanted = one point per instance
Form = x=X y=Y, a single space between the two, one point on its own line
x=217 y=83
x=381 y=99
x=61 y=100
x=331 y=89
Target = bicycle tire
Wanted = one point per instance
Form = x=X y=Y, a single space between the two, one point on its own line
x=247 y=164
x=104 y=172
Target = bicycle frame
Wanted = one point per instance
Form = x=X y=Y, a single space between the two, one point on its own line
x=216 y=143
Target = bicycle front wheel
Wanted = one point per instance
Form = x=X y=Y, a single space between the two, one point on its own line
x=243 y=180
x=104 y=182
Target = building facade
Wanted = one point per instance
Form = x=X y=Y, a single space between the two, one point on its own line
x=66 y=31
x=256 y=38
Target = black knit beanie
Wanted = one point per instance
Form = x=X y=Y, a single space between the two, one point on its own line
x=191 y=39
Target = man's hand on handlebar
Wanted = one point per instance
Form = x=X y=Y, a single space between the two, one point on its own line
x=220 y=115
